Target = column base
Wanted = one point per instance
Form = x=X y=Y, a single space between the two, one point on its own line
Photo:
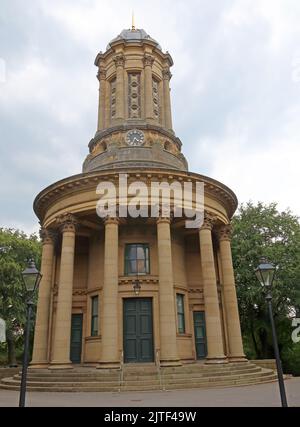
x=38 y=365
x=60 y=365
x=170 y=362
x=234 y=359
x=108 y=365
x=216 y=360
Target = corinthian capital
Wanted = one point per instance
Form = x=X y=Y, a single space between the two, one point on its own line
x=224 y=232
x=166 y=74
x=67 y=222
x=119 y=60
x=101 y=74
x=148 y=60
x=47 y=236
x=208 y=221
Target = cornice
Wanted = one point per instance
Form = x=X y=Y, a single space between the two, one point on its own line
x=85 y=181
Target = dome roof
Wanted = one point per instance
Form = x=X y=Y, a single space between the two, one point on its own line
x=131 y=36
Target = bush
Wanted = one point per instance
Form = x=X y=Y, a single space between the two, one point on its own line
x=291 y=360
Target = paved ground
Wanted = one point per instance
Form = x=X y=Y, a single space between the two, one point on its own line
x=256 y=395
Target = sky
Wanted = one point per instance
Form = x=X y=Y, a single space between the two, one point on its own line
x=235 y=91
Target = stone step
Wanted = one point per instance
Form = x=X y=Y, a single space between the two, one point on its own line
x=209 y=374
x=64 y=389
x=232 y=378
x=210 y=368
x=142 y=378
x=68 y=379
x=97 y=388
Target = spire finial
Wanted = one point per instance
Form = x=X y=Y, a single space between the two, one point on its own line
x=133 y=24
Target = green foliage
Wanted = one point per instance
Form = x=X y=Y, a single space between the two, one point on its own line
x=261 y=230
x=16 y=248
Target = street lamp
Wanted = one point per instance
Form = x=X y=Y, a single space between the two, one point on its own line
x=31 y=280
x=265 y=273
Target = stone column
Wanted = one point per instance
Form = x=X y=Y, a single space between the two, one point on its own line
x=148 y=62
x=41 y=332
x=110 y=357
x=236 y=352
x=62 y=331
x=120 y=100
x=211 y=301
x=102 y=98
x=167 y=99
x=167 y=316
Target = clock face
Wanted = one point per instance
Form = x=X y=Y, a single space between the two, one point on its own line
x=135 y=138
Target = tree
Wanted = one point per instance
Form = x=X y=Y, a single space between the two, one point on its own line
x=261 y=230
x=16 y=248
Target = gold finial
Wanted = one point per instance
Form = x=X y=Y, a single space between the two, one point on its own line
x=133 y=24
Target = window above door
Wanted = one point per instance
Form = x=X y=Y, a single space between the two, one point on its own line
x=137 y=259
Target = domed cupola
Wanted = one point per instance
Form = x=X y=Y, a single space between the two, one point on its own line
x=134 y=116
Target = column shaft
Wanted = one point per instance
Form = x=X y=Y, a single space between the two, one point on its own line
x=168 y=345
x=41 y=332
x=212 y=310
x=167 y=99
x=149 y=113
x=236 y=352
x=62 y=334
x=120 y=101
x=102 y=99
x=110 y=357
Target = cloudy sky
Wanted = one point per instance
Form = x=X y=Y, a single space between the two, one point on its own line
x=235 y=91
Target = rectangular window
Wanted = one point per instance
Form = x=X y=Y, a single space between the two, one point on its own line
x=137 y=260
x=94 y=316
x=180 y=313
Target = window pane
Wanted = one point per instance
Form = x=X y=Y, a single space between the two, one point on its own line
x=140 y=252
x=180 y=313
x=94 y=316
x=141 y=266
x=95 y=306
x=137 y=259
x=94 y=326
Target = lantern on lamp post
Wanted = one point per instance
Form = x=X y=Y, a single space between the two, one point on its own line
x=265 y=273
x=31 y=280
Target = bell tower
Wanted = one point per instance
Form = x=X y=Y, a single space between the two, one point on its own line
x=134 y=114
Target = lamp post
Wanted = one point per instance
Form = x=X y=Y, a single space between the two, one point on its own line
x=265 y=273
x=31 y=280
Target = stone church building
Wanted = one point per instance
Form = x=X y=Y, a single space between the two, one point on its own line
x=123 y=290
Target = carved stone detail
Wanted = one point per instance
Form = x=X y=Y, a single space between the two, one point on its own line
x=148 y=60
x=208 y=221
x=119 y=60
x=113 y=98
x=47 y=236
x=134 y=95
x=224 y=232
x=67 y=222
x=101 y=74
x=167 y=75
x=155 y=96
x=111 y=220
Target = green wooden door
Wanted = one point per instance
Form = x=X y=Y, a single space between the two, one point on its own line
x=76 y=338
x=200 y=334
x=138 y=330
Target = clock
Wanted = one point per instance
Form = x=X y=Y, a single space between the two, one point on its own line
x=135 y=138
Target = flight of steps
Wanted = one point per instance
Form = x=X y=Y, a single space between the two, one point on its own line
x=142 y=378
